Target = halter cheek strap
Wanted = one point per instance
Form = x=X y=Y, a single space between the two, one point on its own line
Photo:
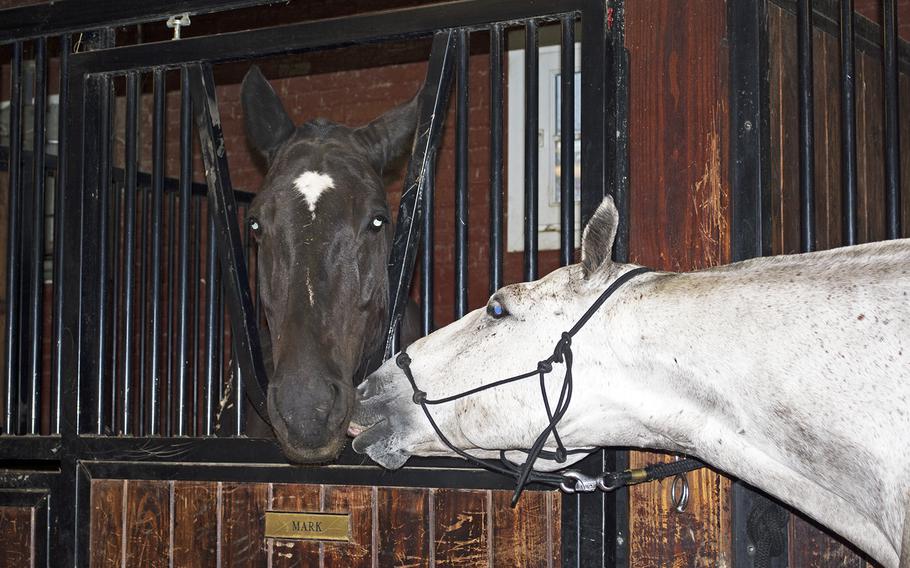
x=570 y=481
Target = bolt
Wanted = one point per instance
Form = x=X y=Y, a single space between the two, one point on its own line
x=620 y=541
x=750 y=550
x=748 y=125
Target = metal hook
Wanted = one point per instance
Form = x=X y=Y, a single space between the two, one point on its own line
x=178 y=21
x=680 y=497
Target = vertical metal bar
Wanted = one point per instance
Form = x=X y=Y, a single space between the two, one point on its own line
x=115 y=216
x=170 y=208
x=129 y=230
x=36 y=280
x=104 y=334
x=567 y=143
x=13 y=244
x=532 y=104
x=58 y=281
x=427 y=246
x=244 y=327
x=212 y=361
x=141 y=418
x=806 y=126
x=892 y=124
x=197 y=271
x=186 y=185
x=462 y=56
x=430 y=118
x=496 y=158
x=158 y=156
x=848 y=123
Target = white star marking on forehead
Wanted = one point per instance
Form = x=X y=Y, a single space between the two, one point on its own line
x=311 y=184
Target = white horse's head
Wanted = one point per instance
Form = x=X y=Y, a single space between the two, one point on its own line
x=519 y=326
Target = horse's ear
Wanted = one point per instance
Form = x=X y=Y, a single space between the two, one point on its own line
x=391 y=135
x=597 y=239
x=267 y=123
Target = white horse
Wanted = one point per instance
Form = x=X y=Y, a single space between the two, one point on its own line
x=791 y=373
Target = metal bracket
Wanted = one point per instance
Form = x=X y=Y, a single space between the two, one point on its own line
x=178 y=21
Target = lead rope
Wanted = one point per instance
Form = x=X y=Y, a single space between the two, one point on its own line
x=570 y=481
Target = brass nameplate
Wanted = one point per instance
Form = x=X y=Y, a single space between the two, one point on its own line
x=308 y=526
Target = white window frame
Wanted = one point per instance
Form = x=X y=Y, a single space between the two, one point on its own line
x=548 y=205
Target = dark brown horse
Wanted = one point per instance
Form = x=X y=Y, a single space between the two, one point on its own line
x=323 y=227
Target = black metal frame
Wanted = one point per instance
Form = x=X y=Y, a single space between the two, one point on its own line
x=80 y=452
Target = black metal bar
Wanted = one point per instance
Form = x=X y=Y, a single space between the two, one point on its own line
x=848 y=124
x=532 y=104
x=212 y=339
x=59 y=17
x=104 y=331
x=116 y=271
x=430 y=118
x=400 y=24
x=427 y=241
x=143 y=294
x=186 y=180
x=496 y=158
x=129 y=236
x=196 y=277
x=244 y=327
x=567 y=143
x=462 y=59
x=892 y=122
x=36 y=272
x=13 y=244
x=750 y=197
x=158 y=157
x=806 y=126
x=58 y=367
x=170 y=320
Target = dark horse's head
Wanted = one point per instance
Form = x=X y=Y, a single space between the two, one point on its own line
x=323 y=226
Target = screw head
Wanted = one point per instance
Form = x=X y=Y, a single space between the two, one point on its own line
x=750 y=550
x=620 y=541
x=747 y=125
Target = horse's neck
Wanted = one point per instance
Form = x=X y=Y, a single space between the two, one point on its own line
x=714 y=397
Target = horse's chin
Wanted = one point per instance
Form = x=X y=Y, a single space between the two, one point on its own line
x=323 y=454
x=375 y=442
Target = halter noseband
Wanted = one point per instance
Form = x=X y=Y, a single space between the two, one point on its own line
x=570 y=481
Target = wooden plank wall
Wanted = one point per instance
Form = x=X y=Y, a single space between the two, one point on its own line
x=810 y=546
x=220 y=524
x=679 y=201
x=17 y=536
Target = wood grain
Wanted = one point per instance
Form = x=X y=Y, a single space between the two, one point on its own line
x=403 y=527
x=195 y=524
x=16 y=536
x=461 y=528
x=148 y=523
x=812 y=547
x=243 y=508
x=294 y=497
x=784 y=133
x=106 y=520
x=905 y=153
x=679 y=203
x=828 y=186
x=520 y=535
x=870 y=150
x=358 y=501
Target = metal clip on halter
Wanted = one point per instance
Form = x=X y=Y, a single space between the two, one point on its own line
x=584 y=483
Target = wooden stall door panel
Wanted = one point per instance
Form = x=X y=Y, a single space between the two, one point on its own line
x=461 y=528
x=680 y=220
x=106 y=521
x=529 y=534
x=195 y=524
x=243 y=507
x=359 y=502
x=148 y=527
x=905 y=154
x=294 y=553
x=828 y=185
x=812 y=547
x=403 y=527
x=16 y=536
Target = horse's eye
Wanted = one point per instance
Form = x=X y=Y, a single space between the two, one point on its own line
x=254 y=225
x=496 y=310
x=377 y=222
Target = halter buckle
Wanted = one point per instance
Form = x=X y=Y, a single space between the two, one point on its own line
x=584 y=483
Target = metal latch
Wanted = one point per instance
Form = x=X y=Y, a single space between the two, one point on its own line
x=178 y=21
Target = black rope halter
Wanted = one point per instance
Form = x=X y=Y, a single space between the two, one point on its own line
x=570 y=481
